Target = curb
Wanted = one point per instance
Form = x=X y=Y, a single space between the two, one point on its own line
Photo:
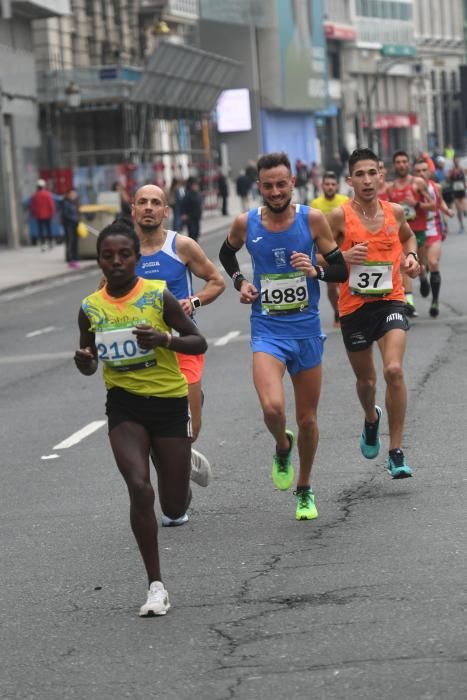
x=43 y=280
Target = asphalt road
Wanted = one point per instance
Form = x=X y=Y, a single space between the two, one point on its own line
x=367 y=602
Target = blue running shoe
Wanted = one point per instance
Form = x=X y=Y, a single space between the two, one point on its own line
x=369 y=440
x=397 y=466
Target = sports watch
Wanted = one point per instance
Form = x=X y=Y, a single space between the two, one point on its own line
x=195 y=302
x=412 y=252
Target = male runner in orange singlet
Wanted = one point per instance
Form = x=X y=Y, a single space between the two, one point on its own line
x=372 y=235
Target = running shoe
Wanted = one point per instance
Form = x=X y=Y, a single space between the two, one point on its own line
x=397 y=466
x=282 y=469
x=200 y=468
x=434 y=309
x=157 y=602
x=424 y=287
x=411 y=311
x=306 y=508
x=173 y=522
x=369 y=440
x=410 y=306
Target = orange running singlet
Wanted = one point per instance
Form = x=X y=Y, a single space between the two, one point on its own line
x=379 y=277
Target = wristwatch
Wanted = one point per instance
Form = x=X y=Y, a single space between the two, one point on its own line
x=195 y=302
x=412 y=252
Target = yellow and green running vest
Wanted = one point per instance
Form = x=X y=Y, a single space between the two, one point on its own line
x=127 y=366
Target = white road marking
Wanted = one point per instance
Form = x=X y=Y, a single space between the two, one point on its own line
x=40 y=331
x=80 y=435
x=226 y=338
x=50 y=456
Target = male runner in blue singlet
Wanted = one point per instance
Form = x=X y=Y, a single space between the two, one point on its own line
x=167 y=255
x=282 y=239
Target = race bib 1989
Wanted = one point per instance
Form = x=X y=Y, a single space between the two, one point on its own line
x=371 y=278
x=284 y=293
x=118 y=349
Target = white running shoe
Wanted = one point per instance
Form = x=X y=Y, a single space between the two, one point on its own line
x=168 y=522
x=157 y=602
x=200 y=468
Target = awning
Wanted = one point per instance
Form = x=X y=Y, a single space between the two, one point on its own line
x=182 y=77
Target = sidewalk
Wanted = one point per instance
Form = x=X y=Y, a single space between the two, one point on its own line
x=28 y=265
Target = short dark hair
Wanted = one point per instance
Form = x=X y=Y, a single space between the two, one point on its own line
x=272 y=160
x=361 y=154
x=329 y=175
x=396 y=154
x=119 y=227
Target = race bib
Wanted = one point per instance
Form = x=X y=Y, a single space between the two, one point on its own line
x=118 y=349
x=409 y=212
x=285 y=293
x=371 y=279
x=458 y=186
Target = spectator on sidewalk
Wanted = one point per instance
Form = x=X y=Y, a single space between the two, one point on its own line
x=125 y=200
x=175 y=198
x=43 y=209
x=315 y=177
x=70 y=219
x=243 y=185
x=223 y=192
x=192 y=207
x=301 y=180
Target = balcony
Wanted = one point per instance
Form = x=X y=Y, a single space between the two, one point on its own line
x=105 y=84
x=172 y=10
x=34 y=9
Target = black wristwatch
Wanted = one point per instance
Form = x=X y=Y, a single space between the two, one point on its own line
x=195 y=302
x=412 y=252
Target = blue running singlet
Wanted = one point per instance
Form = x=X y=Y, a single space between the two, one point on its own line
x=166 y=265
x=287 y=306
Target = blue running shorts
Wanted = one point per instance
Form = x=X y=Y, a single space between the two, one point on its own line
x=298 y=354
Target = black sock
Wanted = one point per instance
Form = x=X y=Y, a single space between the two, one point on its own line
x=397 y=456
x=435 y=282
x=284 y=453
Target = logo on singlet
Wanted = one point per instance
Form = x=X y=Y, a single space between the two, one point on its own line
x=255 y=240
x=279 y=257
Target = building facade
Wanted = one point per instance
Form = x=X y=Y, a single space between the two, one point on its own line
x=281 y=48
x=439 y=35
x=125 y=91
x=19 y=133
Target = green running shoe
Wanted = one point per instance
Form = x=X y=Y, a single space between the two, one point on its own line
x=397 y=466
x=369 y=439
x=306 y=509
x=282 y=469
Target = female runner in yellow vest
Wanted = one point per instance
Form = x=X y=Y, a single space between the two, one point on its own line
x=126 y=325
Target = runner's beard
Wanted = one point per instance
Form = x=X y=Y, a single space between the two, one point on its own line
x=277 y=210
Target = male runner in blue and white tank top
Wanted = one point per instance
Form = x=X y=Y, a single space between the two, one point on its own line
x=282 y=239
x=166 y=255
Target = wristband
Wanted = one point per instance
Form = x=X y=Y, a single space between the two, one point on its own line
x=319 y=272
x=414 y=253
x=169 y=339
x=238 y=278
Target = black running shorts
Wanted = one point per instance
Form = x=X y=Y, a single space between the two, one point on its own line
x=370 y=322
x=162 y=417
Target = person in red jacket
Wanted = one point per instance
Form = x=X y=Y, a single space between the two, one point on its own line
x=43 y=209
